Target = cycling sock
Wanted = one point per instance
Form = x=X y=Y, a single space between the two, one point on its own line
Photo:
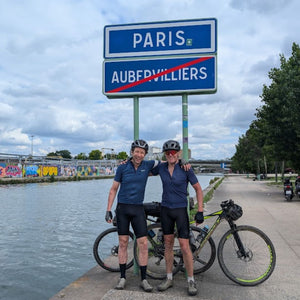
x=123 y=270
x=170 y=276
x=143 y=272
x=190 y=278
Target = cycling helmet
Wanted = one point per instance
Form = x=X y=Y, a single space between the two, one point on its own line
x=171 y=145
x=140 y=144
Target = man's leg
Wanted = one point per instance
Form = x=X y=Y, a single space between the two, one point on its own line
x=123 y=256
x=143 y=261
x=189 y=265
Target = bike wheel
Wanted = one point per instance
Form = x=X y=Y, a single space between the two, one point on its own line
x=259 y=260
x=206 y=257
x=106 y=248
x=156 y=267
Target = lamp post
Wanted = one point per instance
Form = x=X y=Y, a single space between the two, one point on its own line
x=32 y=145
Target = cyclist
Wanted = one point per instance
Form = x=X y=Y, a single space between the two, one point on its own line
x=174 y=210
x=131 y=177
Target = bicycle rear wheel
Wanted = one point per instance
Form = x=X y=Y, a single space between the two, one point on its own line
x=206 y=257
x=156 y=267
x=106 y=248
x=252 y=267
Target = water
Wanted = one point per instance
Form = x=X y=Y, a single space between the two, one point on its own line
x=48 y=231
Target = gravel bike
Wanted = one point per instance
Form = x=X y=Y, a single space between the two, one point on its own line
x=245 y=254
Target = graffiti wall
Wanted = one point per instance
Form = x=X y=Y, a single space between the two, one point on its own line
x=12 y=171
x=40 y=170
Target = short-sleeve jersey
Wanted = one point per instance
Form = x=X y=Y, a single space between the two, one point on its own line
x=133 y=182
x=175 y=186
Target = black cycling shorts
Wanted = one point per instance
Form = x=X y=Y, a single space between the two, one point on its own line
x=171 y=216
x=131 y=214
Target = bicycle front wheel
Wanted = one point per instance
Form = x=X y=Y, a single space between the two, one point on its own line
x=106 y=249
x=246 y=255
x=156 y=267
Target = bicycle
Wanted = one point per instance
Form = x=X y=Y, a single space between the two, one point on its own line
x=245 y=254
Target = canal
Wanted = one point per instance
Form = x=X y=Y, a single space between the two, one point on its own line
x=48 y=231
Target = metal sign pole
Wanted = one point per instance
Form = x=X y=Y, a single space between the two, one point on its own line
x=136 y=137
x=136 y=117
x=185 y=145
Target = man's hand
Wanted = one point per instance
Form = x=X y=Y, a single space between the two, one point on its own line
x=108 y=216
x=184 y=164
x=199 y=217
x=125 y=160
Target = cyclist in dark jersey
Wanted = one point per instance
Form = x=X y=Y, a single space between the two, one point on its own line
x=131 y=178
x=175 y=181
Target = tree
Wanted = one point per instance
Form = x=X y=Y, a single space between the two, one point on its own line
x=61 y=153
x=81 y=156
x=275 y=135
x=95 y=155
x=64 y=154
x=122 y=155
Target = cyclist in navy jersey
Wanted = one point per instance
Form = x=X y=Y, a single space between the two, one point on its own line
x=130 y=180
x=175 y=181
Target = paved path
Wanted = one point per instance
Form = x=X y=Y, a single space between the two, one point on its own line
x=264 y=207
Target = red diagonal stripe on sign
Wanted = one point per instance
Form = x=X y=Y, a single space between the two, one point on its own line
x=190 y=63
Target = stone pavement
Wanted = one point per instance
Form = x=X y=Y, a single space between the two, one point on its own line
x=264 y=207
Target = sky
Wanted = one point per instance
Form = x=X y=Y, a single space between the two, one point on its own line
x=51 y=56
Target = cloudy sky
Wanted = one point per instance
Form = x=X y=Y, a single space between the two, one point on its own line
x=51 y=55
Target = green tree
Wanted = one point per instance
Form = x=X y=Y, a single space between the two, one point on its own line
x=274 y=136
x=82 y=156
x=64 y=154
x=122 y=155
x=95 y=155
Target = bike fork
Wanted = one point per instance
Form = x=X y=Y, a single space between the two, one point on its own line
x=242 y=251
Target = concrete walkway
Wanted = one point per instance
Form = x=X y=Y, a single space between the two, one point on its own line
x=264 y=207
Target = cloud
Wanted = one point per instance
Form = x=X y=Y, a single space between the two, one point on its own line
x=51 y=74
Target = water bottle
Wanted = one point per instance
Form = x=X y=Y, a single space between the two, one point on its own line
x=192 y=237
x=160 y=236
x=151 y=233
x=203 y=233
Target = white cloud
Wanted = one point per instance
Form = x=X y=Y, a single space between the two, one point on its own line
x=51 y=74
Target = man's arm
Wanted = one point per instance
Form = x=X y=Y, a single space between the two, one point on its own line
x=111 y=197
x=199 y=194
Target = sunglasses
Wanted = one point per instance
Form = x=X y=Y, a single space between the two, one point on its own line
x=171 y=152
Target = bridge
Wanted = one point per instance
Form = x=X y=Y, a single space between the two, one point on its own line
x=211 y=166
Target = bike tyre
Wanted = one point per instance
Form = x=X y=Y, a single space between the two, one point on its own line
x=241 y=271
x=106 y=247
x=206 y=257
x=156 y=267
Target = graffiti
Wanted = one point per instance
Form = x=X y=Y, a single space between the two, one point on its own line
x=68 y=171
x=10 y=170
x=49 y=170
x=87 y=171
x=31 y=171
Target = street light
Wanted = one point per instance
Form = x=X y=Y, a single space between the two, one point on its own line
x=32 y=145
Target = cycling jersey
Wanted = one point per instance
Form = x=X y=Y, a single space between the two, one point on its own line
x=175 y=186
x=133 y=182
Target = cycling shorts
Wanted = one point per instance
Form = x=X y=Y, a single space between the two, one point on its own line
x=170 y=217
x=131 y=214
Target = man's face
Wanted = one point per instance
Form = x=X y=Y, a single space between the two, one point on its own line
x=172 y=156
x=138 y=154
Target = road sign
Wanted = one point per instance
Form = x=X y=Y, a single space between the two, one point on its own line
x=162 y=38
x=159 y=76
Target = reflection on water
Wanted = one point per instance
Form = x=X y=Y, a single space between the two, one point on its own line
x=48 y=231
